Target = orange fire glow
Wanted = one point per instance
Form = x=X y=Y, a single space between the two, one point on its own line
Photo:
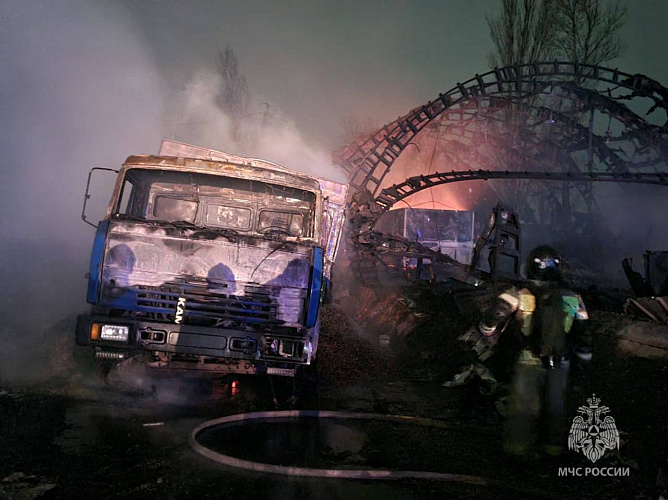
x=441 y=198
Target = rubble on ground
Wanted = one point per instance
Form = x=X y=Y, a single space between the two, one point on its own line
x=648 y=308
x=391 y=314
x=344 y=357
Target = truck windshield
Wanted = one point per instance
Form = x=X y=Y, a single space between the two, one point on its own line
x=214 y=201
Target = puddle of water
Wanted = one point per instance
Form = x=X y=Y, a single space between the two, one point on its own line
x=334 y=443
x=306 y=442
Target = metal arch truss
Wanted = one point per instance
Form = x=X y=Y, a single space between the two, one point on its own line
x=373 y=244
x=393 y=194
x=543 y=120
x=532 y=95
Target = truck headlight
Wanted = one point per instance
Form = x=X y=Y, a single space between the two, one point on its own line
x=115 y=332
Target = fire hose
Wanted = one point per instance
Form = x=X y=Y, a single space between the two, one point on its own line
x=368 y=474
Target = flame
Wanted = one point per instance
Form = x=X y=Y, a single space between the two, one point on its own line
x=440 y=198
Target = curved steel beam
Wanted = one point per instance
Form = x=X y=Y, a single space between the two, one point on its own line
x=571 y=134
x=565 y=137
x=361 y=160
x=374 y=242
x=397 y=192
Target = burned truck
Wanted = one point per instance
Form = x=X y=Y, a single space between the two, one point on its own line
x=213 y=262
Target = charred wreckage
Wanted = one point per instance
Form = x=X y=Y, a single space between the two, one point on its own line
x=211 y=261
x=524 y=124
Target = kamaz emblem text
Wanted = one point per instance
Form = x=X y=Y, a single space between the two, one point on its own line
x=180 y=309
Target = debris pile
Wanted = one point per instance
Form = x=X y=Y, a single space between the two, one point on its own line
x=344 y=357
x=630 y=338
x=391 y=315
x=432 y=352
x=653 y=308
x=19 y=485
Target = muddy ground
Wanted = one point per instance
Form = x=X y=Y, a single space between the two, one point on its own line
x=71 y=436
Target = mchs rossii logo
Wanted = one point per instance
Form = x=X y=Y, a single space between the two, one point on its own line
x=593 y=432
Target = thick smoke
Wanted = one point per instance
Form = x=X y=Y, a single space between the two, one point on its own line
x=77 y=91
x=263 y=133
x=81 y=90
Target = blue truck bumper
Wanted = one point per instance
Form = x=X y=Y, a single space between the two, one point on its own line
x=263 y=349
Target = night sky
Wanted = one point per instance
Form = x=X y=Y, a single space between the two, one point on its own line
x=318 y=61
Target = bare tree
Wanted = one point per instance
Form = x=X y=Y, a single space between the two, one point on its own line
x=529 y=31
x=587 y=31
x=523 y=33
x=233 y=97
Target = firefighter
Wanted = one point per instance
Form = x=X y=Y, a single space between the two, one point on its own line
x=544 y=312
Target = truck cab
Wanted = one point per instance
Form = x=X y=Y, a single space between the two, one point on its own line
x=217 y=264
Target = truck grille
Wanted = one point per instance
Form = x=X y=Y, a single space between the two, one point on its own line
x=204 y=307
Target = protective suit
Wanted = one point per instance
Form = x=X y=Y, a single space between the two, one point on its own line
x=545 y=312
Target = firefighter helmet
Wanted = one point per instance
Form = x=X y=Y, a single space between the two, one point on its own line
x=544 y=263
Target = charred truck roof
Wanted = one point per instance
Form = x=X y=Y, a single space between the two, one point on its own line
x=250 y=169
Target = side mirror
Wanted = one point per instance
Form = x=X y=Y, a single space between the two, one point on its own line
x=87 y=195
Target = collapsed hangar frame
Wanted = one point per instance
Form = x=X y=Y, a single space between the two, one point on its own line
x=506 y=111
